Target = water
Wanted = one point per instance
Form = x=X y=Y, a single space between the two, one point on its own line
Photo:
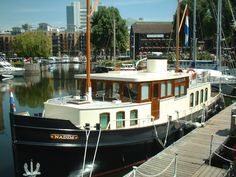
x=30 y=92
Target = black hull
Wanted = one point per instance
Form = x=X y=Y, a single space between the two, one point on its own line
x=34 y=140
x=117 y=149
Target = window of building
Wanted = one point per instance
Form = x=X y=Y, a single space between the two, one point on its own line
x=191 y=100
x=120 y=116
x=145 y=92
x=133 y=117
x=104 y=120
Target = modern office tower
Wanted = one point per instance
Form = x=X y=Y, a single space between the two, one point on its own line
x=76 y=16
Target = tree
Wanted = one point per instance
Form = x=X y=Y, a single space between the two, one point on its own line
x=32 y=44
x=206 y=21
x=102 y=26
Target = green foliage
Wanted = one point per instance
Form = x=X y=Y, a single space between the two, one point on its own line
x=206 y=20
x=102 y=30
x=204 y=56
x=35 y=94
x=32 y=44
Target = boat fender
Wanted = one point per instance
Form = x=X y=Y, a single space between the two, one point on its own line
x=193 y=73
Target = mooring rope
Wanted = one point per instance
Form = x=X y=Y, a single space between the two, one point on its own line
x=163 y=171
x=167 y=131
x=85 y=149
x=95 y=153
x=222 y=144
x=222 y=157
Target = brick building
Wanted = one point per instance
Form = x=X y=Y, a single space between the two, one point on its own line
x=150 y=37
x=63 y=43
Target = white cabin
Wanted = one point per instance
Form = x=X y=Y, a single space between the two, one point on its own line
x=126 y=99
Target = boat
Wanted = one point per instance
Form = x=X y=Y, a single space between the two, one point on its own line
x=126 y=118
x=7 y=69
x=6 y=77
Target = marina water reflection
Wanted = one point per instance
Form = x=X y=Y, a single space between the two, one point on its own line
x=30 y=92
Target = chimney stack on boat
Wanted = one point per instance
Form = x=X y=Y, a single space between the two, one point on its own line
x=156 y=64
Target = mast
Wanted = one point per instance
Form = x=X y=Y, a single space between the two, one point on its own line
x=218 y=45
x=114 y=38
x=194 y=50
x=177 y=38
x=88 y=82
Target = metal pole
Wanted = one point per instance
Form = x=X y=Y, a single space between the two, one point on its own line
x=177 y=38
x=220 y=36
x=194 y=52
x=134 y=169
x=210 y=150
x=175 y=169
x=114 y=39
x=134 y=47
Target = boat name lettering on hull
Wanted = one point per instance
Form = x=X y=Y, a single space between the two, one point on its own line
x=64 y=137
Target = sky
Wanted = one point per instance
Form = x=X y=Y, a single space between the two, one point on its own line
x=14 y=13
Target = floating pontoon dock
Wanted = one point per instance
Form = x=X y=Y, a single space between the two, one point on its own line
x=187 y=156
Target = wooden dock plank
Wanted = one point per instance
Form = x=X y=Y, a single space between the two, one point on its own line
x=192 y=150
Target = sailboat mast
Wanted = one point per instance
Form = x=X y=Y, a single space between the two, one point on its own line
x=114 y=38
x=88 y=82
x=194 y=50
x=218 y=46
x=177 y=38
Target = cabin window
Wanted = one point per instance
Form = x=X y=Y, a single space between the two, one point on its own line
x=145 y=92
x=169 y=88
x=130 y=92
x=182 y=90
x=191 y=99
x=133 y=117
x=120 y=117
x=101 y=86
x=201 y=99
x=81 y=87
x=116 y=90
x=104 y=120
x=163 y=89
x=177 y=91
x=206 y=94
x=155 y=90
x=196 y=97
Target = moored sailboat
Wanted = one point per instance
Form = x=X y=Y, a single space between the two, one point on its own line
x=126 y=118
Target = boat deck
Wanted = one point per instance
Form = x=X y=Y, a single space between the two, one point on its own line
x=191 y=152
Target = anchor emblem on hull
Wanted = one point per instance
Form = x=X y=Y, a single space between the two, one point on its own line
x=32 y=172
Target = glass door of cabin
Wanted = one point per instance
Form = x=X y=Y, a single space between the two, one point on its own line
x=155 y=101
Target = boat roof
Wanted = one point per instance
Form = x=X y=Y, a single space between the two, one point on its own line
x=134 y=76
